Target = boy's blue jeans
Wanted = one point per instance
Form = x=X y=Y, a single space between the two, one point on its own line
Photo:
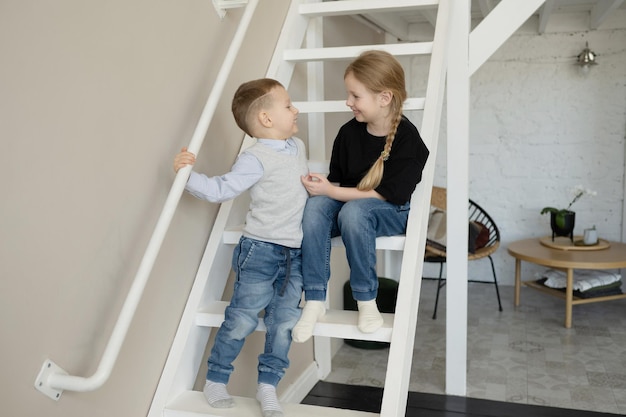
x=269 y=277
x=358 y=222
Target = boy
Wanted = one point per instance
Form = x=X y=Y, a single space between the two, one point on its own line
x=267 y=260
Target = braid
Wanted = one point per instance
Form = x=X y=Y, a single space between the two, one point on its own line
x=374 y=176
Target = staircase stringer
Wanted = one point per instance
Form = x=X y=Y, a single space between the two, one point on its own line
x=396 y=386
x=291 y=37
x=187 y=350
x=190 y=341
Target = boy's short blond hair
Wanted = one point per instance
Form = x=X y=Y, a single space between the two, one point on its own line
x=250 y=98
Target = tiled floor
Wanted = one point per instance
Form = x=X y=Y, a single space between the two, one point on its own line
x=522 y=355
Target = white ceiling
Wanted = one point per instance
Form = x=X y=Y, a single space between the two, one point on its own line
x=584 y=14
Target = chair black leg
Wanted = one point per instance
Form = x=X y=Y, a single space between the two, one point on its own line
x=439 y=285
x=495 y=281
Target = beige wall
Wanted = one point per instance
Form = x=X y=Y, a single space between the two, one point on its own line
x=95 y=100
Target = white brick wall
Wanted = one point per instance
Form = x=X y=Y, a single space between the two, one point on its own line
x=539 y=128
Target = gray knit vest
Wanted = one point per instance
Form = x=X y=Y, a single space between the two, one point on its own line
x=278 y=198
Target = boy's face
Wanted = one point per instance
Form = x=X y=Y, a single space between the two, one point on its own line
x=283 y=114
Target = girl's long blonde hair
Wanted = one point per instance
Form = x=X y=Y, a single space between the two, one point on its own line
x=380 y=71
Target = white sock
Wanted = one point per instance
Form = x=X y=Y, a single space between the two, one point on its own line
x=217 y=396
x=370 y=319
x=303 y=330
x=266 y=395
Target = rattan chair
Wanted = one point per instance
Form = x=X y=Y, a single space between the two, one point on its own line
x=435 y=254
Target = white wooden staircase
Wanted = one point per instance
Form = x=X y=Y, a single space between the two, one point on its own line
x=204 y=310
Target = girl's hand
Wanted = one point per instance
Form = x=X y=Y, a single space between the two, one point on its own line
x=183 y=159
x=317 y=184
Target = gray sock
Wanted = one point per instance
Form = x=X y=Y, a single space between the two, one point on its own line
x=266 y=395
x=217 y=396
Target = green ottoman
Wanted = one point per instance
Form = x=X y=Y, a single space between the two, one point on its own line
x=386 y=300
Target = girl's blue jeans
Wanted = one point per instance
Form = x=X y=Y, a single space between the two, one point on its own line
x=269 y=277
x=358 y=222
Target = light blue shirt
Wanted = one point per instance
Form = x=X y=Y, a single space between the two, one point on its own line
x=245 y=172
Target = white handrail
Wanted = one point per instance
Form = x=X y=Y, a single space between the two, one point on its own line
x=52 y=380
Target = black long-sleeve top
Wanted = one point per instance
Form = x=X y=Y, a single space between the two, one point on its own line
x=355 y=150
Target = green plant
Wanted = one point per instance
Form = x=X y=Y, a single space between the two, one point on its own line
x=578 y=191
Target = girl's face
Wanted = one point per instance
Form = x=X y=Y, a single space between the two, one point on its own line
x=367 y=106
x=283 y=114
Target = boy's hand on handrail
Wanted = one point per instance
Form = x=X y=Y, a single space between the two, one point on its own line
x=183 y=159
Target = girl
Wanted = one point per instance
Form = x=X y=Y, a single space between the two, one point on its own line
x=377 y=160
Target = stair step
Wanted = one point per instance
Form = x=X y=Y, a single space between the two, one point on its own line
x=350 y=52
x=193 y=404
x=338 y=106
x=339 y=324
x=232 y=235
x=350 y=7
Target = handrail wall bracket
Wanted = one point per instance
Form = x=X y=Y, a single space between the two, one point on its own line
x=221 y=6
x=41 y=383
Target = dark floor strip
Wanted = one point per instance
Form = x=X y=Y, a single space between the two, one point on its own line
x=369 y=399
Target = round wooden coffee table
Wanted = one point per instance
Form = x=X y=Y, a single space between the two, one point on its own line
x=532 y=250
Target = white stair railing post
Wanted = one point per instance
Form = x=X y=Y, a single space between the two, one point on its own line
x=52 y=380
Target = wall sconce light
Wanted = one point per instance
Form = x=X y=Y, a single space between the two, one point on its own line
x=586 y=59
